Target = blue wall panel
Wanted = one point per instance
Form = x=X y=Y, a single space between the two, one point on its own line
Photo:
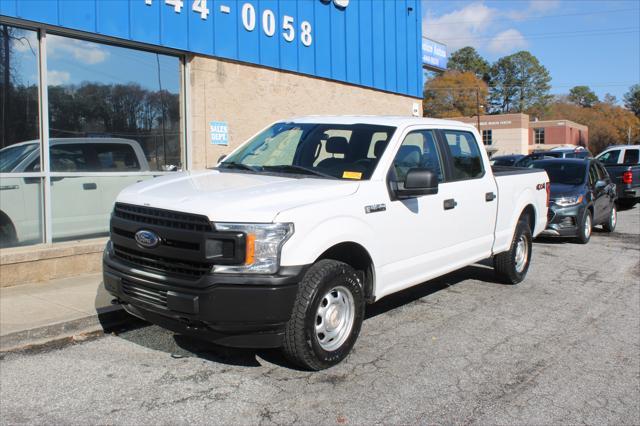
x=288 y=49
x=390 y=53
x=365 y=22
x=8 y=7
x=338 y=47
x=378 y=45
x=113 y=21
x=373 y=43
x=322 y=39
x=80 y=14
x=224 y=28
x=401 y=45
x=249 y=41
x=306 y=54
x=144 y=21
x=352 y=37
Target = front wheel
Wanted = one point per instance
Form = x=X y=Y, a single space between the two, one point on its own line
x=610 y=224
x=585 y=227
x=327 y=316
x=512 y=265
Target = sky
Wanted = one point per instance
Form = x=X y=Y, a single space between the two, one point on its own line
x=594 y=43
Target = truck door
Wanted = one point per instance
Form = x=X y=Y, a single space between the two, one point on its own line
x=416 y=230
x=473 y=191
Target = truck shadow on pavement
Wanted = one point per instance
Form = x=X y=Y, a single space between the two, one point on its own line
x=181 y=346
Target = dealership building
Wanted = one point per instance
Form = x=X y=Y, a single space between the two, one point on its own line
x=116 y=92
x=506 y=134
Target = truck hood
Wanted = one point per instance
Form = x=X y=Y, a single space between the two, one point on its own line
x=234 y=196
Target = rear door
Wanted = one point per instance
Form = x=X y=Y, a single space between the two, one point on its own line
x=599 y=194
x=473 y=194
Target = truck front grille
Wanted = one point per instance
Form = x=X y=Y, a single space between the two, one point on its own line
x=144 y=293
x=160 y=217
x=185 y=268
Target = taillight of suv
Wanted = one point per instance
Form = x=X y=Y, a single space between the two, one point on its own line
x=627 y=177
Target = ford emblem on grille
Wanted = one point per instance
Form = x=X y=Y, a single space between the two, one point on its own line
x=147 y=239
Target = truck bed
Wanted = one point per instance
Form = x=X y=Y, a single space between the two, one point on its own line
x=509 y=170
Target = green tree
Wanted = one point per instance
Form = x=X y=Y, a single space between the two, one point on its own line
x=454 y=94
x=632 y=99
x=583 y=96
x=468 y=59
x=610 y=99
x=519 y=83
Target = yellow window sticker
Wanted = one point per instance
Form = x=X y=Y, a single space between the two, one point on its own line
x=352 y=175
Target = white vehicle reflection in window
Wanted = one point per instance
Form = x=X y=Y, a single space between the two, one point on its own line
x=80 y=204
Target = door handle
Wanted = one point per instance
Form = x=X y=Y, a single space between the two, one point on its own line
x=489 y=196
x=89 y=186
x=449 y=204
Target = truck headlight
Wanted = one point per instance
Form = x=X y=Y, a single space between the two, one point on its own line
x=568 y=201
x=263 y=244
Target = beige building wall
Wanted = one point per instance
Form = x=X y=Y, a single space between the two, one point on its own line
x=510 y=141
x=249 y=98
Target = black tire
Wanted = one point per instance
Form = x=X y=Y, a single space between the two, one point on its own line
x=626 y=203
x=302 y=344
x=610 y=224
x=507 y=265
x=8 y=235
x=584 y=234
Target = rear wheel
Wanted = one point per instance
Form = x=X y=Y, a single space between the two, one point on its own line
x=585 y=227
x=610 y=224
x=327 y=316
x=8 y=235
x=512 y=265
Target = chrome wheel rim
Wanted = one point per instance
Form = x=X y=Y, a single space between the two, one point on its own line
x=334 y=318
x=587 y=226
x=522 y=253
x=614 y=217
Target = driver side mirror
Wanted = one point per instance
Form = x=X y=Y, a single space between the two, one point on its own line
x=419 y=181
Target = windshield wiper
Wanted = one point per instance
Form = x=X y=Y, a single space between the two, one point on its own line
x=298 y=169
x=241 y=166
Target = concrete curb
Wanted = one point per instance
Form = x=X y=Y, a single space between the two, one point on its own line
x=66 y=331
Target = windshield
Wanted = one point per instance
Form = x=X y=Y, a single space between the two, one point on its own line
x=11 y=156
x=562 y=172
x=316 y=149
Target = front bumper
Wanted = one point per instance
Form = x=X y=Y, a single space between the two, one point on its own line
x=227 y=309
x=563 y=221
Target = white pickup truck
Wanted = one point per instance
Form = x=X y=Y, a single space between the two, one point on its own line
x=286 y=240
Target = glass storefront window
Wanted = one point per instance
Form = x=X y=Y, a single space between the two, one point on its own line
x=112 y=110
x=21 y=218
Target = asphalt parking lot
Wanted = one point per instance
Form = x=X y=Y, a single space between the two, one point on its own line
x=561 y=347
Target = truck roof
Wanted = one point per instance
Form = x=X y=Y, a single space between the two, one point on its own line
x=383 y=120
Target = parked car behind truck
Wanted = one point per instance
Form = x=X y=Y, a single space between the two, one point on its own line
x=284 y=243
x=623 y=164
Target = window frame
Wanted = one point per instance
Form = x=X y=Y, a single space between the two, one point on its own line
x=538 y=135
x=45 y=174
x=449 y=155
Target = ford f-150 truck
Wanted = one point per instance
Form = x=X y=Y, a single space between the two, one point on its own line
x=286 y=240
x=623 y=164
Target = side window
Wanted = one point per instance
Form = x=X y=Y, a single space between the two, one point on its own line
x=419 y=149
x=631 y=156
x=116 y=157
x=610 y=157
x=68 y=158
x=465 y=155
x=593 y=174
x=602 y=172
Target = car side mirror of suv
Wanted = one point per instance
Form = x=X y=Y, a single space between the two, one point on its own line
x=601 y=184
x=419 y=181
